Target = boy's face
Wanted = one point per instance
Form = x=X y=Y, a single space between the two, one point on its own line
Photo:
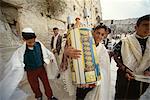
x=143 y=29
x=30 y=42
x=99 y=35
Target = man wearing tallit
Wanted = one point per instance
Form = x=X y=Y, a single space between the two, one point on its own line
x=86 y=91
x=31 y=57
x=132 y=55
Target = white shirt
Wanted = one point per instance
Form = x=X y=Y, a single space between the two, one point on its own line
x=55 y=40
x=136 y=35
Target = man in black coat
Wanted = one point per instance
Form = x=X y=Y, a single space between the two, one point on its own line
x=56 y=43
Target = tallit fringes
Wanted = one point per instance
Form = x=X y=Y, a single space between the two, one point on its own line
x=68 y=86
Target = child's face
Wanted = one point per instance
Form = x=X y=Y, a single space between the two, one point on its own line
x=99 y=35
x=30 y=42
x=77 y=20
x=143 y=29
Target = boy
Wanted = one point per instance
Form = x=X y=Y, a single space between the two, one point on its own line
x=34 y=65
x=31 y=57
x=85 y=91
x=132 y=56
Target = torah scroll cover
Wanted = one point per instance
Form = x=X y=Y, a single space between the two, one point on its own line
x=85 y=70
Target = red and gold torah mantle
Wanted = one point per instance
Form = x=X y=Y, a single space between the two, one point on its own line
x=85 y=70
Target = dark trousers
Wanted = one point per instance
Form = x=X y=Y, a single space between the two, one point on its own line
x=128 y=90
x=81 y=93
x=33 y=76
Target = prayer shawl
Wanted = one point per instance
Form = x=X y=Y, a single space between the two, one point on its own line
x=132 y=55
x=101 y=92
x=14 y=71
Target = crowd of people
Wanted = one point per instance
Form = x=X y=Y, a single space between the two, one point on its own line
x=131 y=54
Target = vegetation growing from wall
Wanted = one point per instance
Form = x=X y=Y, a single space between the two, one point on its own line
x=56 y=7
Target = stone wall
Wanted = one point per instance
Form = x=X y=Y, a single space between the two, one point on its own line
x=8 y=15
x=126 y=26
x=17 y=14
x=37 y=14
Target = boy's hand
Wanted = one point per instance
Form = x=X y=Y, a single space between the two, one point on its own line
x=129 y=75
x=72 y=52
x=86 y=86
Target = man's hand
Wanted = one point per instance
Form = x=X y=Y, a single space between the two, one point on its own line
x=72 y=52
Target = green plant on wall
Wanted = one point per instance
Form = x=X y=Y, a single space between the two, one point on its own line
x=56 y=7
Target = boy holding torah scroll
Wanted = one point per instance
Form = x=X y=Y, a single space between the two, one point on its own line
x=86 y=84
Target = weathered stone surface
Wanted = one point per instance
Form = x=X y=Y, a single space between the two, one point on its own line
x=121 y=27
x=6 y=18
x=35 y=14
x=17 y=3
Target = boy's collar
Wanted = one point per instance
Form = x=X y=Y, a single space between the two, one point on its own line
x=136 y=35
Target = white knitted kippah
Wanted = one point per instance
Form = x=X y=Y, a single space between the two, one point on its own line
x=28 y=30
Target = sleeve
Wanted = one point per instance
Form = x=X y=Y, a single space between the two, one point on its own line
x=117 y=55
x=60 y=45
x=52 y=39
x=148 y=69
x=50 y=56
x=117 y=48
x=47 y=55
